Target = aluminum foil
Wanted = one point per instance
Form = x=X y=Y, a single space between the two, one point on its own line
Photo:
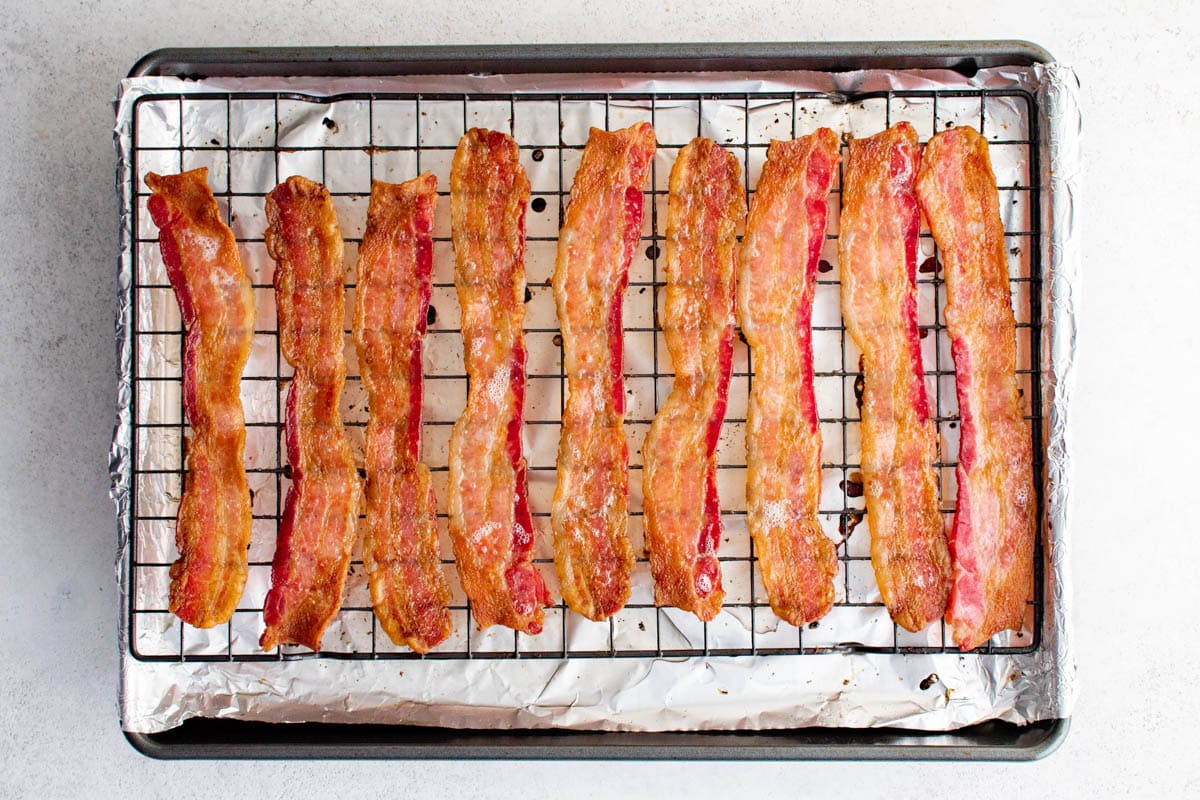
x=939 y=691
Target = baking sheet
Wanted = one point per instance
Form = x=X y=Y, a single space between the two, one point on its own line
x=934 y=690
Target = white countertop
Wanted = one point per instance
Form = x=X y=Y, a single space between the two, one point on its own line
x=1133 y=729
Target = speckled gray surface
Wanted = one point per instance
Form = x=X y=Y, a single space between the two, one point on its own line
x=1133 y=728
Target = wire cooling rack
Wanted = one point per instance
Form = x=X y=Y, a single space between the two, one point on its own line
x=251 y=140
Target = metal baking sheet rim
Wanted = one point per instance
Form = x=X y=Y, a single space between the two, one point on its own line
x=1053 y=661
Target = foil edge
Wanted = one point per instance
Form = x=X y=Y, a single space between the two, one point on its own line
x=121 y=456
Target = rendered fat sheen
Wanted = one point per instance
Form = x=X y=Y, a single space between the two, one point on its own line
x=600 y=231
x=216 y=303
x=400 y=541
x=877 y=253
x=784 y=234
x=995 y=523
x=491 y=526
x=705 y=207
x=317 y=531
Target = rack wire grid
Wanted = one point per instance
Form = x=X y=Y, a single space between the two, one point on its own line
x=251 y=140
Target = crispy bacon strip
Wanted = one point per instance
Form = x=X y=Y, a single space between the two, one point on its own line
x=877 y=250
x=705 y=206
x=784 y=234
x=995 y=523
x=595 y=247
x=400 y=545
x=317 y=531
x=490 y=523
x=212 y=530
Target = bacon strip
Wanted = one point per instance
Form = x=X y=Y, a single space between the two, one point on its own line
x=490 y=523
x=212 y=530
x=995 y=523
x=400 y=545
x=595 y=247
x=877 y=250
x=784 y=234
x=317 y=531
x=705 y=206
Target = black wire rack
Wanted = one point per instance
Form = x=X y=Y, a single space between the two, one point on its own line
x=251 y=140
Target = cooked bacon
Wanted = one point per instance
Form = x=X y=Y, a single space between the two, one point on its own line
x=877 y=250
x=705 y=206
x=317 y=531
x=212 y=530
x=991 y=545
x=595 y=247
x=400 y=544
x=784 y=234
x=491 y=526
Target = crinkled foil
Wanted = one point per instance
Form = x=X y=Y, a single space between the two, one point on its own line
x=940 y=691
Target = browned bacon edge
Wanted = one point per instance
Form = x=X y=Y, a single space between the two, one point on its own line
x=317 y=530
x=600 y=232
x=877 y=244
x=995 y=522
x=491 y=526
x=706 y=204
x=785 y=231
x=216 y=303
x=400 y=541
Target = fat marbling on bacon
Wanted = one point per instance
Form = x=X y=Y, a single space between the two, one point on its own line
x=216 y=303
x=877 y=253
x=785 y=231
x=491 y=526
x=318 y=528
x=400 y=541
x=705 y=206
x=600 y=231
x=995 y=523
